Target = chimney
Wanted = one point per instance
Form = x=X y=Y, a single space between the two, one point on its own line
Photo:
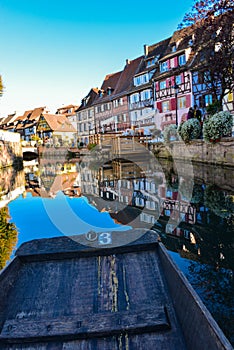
x=146 y=50
x=127 y=61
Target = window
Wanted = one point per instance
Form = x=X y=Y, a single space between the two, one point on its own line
x=182 y=102
x=178 y=79
x=118 y=102
x=190 y=42
x=165 y=106
x=151 y=62
x=230 y=97
x=173 y=48
x=141 y=79
x=162 y=84
x=134 y=98
x=207 y=77
x=182 y=60
x=208 y=100
x=145 y=95
x=163 y=67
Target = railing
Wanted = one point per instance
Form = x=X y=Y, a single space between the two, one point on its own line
x=129 y=144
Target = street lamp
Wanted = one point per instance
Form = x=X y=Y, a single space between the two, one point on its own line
x=176 y=88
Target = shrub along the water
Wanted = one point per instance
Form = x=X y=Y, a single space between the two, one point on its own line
x=190 y=129
x=218 y=125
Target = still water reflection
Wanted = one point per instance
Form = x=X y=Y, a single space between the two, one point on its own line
x=193 y=216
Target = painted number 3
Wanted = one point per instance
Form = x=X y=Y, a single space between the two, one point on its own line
x=105 y=238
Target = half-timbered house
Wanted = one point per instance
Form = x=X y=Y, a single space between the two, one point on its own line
x=86 y=124
x=173 y=89
x=141 y=98
x=103 y=108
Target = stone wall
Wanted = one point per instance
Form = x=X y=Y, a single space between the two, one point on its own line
x=220 y=153
x=10 y=149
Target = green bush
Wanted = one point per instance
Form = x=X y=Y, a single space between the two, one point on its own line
x=218 y=125
x=189 y=130
x=214 y=107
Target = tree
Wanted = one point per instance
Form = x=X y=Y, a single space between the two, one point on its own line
x=213 y=42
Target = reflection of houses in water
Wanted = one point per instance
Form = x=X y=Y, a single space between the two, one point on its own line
x=12 y=184
x=125 y=183
x=179 y=210
x=52 y=177
x=88 y=179
x=140 y=199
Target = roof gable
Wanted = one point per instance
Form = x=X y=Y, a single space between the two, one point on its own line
x=57 y=122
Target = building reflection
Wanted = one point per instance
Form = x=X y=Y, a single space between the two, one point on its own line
x=161 y=200
x=191 y=222
x=12 y=185
x=48 y=177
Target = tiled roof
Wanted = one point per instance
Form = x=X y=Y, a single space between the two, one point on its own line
x=158 y=49
x=58 y=122
x=9 y=119
x=126 y=78
x=27 y=114
x=110 y=81
x=67 y=107
x=93 y=93
x=20 y=118
x=36 y=113
x=180 y=38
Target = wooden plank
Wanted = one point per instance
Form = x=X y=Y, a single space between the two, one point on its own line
x=96 y=244
x=86 y=326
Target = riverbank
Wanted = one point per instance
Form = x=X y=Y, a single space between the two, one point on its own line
x=197 y=151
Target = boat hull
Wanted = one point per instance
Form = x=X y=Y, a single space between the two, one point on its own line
x=123 y=292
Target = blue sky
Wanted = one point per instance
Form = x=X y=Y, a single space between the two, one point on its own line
x=53 y=52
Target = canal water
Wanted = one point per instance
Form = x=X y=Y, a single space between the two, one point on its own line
x=190 y=206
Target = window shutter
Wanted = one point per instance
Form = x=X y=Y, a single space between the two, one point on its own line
x=173 y=104
x=182 y=77
x=157 y=86
x=168 y=82
x=176 y=62
x=168 y=64
x=172 y=81
x=159 y=106
x=188 y=101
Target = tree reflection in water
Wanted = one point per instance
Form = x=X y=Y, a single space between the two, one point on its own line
x=8 y=237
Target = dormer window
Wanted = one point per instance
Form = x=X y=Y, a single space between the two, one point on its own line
x=109 y=91
x=141 y=79
x=173 y=48
x=100 y=93
x=190 y=42
x=151 y=62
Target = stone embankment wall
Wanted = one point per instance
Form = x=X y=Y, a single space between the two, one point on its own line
x=10 y=149
x=220 y=153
